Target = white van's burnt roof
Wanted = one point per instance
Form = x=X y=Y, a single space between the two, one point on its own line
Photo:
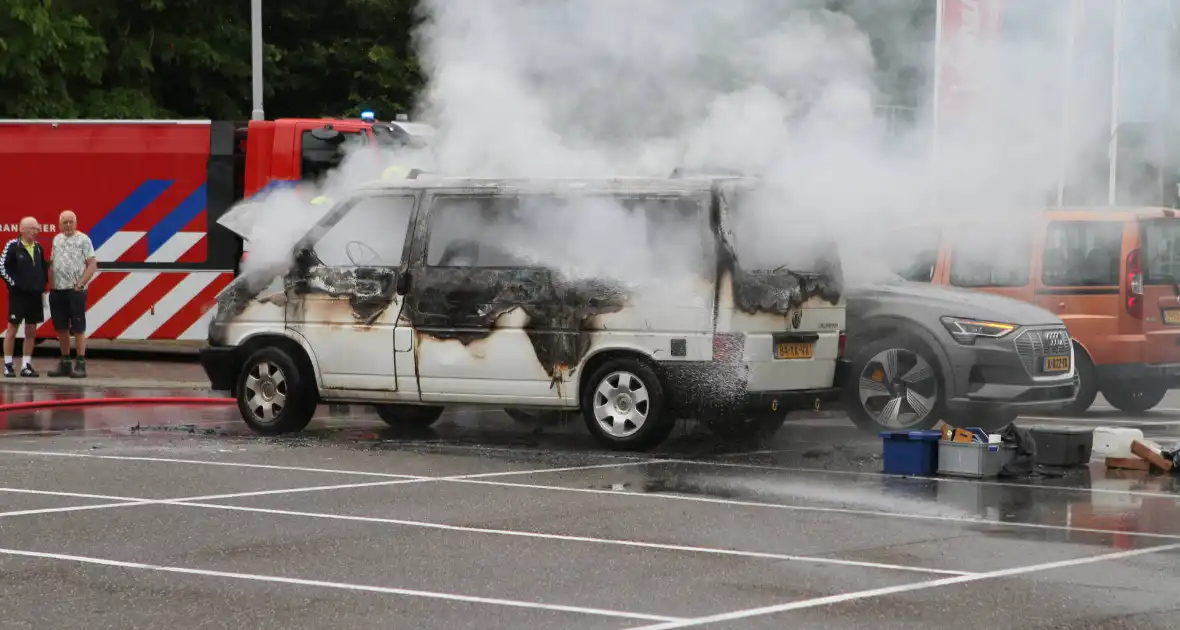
x=618 y=184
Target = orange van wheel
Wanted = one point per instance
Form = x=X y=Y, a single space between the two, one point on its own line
x=1134 y=396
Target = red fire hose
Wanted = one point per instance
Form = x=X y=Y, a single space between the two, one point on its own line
x=94 y=402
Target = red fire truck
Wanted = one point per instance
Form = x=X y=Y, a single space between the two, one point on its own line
x=149 y=194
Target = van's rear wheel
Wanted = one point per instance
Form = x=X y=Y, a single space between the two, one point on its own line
x=272 y=394
x=1134 y=396
x=898 y=386
x=409 y=416
x=623 y=406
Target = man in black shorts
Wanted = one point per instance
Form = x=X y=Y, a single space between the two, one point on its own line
x=73 y=265
x=25 y=271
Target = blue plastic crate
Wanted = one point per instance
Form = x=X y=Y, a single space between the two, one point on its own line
x=911 y=452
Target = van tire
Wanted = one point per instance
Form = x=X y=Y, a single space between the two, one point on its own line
x=907 y=345
x=1087 y=384
x=271 y=371
x=643 y=394
x=409 y=416
x=1134 y=396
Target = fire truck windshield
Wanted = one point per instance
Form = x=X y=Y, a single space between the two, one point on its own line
x=319 y=156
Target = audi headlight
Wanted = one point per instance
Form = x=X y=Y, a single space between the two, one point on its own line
x=966 y=331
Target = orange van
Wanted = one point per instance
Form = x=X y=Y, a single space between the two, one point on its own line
x=1111 y=274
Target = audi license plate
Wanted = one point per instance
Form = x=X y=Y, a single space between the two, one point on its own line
x=793 y=350
x=1056 y=364
x=1172 y=316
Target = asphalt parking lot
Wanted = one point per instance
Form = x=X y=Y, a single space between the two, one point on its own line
x=176 y=516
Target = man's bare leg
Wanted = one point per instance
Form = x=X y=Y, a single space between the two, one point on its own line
x=80 y=363
x=30 y=342
x=9 y=342
x=9 y=345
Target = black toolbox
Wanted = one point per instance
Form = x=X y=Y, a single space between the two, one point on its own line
x=1061 y=445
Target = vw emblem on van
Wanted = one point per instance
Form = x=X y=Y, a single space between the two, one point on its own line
x=797 y=319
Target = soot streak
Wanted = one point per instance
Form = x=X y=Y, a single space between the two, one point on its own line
x=464 y=303
x=781 y=291
x=370 y=290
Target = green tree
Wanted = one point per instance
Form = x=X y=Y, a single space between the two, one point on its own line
x=44 y=51
x=191 y=58
x=337 y=58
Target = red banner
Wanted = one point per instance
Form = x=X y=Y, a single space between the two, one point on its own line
x=965 y=52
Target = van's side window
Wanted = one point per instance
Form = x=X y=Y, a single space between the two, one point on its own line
x=921 y=268
x=675 y=236
x=591 y=232
x=1082 y=254
x=372 y=233
x=471 y=231
x=991 y=262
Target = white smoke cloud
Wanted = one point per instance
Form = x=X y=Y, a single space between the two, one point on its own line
x=784 y=89
x=781 y=88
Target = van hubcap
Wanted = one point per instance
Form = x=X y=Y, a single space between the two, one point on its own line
x=898 y=388
x=265 y=391
x=621 y=404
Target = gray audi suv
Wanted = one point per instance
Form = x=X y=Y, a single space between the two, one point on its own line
x=917 y=354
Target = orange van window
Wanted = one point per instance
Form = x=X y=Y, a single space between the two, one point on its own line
x=1082 y=254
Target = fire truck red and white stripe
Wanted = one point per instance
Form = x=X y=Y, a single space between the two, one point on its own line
x=146 y=305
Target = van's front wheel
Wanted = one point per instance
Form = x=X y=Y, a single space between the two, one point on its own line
x=272 y=395
x=623 y=406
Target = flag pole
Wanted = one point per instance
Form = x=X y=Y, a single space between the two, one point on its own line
x=256 y=58
x=939 y=10
x=1064 y=143
x=1116 y=46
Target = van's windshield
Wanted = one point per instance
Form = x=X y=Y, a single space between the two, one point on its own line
x=766 y=237
x=1161 y=251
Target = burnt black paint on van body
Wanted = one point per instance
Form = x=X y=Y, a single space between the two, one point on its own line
x=463 y=304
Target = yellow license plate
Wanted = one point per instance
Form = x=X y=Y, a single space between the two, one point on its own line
x=793 y=350
x=1056 y=364
x=1172 y=316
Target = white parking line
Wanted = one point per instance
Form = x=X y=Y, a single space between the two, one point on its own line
x=501 y=473
x=343 y=486
x=72 y=495
x=600 y=612
x=129 y=501
x=75 y=508
x=977 y=482
x=1106 y=421
x=903 y=588
x=568 y=538
x=813 y=508
x=167 y=460
x=197 y=502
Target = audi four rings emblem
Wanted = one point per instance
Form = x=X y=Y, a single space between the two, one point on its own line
x=797 y=319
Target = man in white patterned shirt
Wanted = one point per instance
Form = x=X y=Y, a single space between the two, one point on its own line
x=72 y=265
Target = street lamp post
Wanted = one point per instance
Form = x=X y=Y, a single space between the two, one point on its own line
x=256 y=56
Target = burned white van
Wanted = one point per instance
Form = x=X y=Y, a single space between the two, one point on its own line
x=624 y=299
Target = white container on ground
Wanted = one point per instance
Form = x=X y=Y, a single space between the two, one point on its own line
x=974 y=459
x=1114 y=442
